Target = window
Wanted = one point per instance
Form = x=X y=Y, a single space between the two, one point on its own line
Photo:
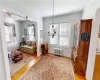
x=55 y=39
x=63 y=34
x=31 y=33
x=9 y=34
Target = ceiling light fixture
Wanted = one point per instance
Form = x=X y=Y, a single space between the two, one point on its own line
x=53 y=15
x=52 y=31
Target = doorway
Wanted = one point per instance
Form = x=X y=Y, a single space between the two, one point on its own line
x=14 y=32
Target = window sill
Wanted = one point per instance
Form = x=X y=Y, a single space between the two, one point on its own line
x=60 y=46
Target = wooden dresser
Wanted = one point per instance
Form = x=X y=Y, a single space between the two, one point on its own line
x=83 y=47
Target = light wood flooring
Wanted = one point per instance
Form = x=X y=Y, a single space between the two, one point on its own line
x=96 y=74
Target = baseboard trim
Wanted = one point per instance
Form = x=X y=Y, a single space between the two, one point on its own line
x=67 y=57
x=61 y=56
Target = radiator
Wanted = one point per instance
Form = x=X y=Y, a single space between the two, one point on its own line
x=58 y=51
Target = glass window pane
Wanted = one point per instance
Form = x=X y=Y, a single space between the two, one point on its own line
x=65 y=29
x=31 y=33
x=64 y=34
x=8 y=38
x=31 y=37
x=9 y=34
x=31 y=30
x=54 y=40
x=64 y=41
x=10 y=30
x=6 y=30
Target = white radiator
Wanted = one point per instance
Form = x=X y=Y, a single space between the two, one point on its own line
x=58 y=51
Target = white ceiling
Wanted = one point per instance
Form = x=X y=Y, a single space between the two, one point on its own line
x=44 y=7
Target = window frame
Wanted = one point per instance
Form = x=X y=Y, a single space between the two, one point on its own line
x=10 y=35
x=31 y=33
x=58 y=33
x=13 y=35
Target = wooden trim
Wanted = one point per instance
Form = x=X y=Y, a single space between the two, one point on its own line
x=83 y=48
x=62 y=56
x=96 y=73
x=99 y=35
x=67 y=57
x=83 y=20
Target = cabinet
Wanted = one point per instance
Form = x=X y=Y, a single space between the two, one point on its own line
x=44 y=48
x=83 y=47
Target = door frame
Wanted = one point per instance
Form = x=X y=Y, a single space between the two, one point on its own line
x=3 y=45
x=93 y=45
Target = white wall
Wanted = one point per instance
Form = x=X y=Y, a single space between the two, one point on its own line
x=90 y=9
x=66 y=50
x=73 y=18
x=39 y=39
x=90 y=12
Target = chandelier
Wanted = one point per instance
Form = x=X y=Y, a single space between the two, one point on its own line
x=52 y=31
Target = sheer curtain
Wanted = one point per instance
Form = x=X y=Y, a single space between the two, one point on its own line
x=31 y=33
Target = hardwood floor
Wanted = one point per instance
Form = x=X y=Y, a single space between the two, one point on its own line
x=18 y=74
x=78 y=77
x=96 y=74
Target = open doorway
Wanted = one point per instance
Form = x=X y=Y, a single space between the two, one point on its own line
x=20 y=35
x=96 y=74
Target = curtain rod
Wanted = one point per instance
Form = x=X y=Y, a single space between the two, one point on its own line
x=15 y=14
